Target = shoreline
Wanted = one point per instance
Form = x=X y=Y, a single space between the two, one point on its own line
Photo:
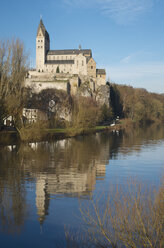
x=38 y=135
x=12 y=137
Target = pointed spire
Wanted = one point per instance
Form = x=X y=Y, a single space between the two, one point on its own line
x=41 y=26
x=43 y=29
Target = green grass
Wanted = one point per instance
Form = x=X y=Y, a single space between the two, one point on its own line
x=72 y=130
x=59 y=130
x=100 y=127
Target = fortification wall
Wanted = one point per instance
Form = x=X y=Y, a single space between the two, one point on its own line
x=40 y=85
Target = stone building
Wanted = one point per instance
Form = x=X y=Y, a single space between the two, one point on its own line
x=73 y=61
x=53 y=67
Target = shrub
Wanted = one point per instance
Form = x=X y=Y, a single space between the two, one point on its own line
x=85 y=112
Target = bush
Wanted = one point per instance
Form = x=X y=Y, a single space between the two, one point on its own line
x=33 y=131
x=132 y=218
x=106 y=114
x=85 y=112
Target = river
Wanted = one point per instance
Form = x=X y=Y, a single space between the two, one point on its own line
x=42 y=184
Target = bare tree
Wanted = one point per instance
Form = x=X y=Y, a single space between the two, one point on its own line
x=132 y=218
x=13 y=68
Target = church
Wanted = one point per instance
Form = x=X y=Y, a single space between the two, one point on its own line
x=62 y=69
x=72 y=61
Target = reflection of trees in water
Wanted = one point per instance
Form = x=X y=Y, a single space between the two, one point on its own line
x=62 y=167
x=77 y=153
x=133 y=139
x=13 y=206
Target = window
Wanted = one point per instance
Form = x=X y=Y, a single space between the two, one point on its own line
x=41 y=41
x=82 y=63
x=66 y=57
x=91 y=67
x=38 y=46
x=38 y=40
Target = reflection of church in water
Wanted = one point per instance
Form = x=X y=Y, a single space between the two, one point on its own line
x=69 y=182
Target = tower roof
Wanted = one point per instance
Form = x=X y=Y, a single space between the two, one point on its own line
x=44 y=31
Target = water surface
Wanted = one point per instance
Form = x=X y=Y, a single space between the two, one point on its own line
x=41 y=184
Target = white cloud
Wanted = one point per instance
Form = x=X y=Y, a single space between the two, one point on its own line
x=137 y=56
x=122 y=11
x=126 y=60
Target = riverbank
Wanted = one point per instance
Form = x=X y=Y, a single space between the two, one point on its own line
x=36 y=134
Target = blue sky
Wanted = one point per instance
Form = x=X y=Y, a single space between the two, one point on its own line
x=126 y=36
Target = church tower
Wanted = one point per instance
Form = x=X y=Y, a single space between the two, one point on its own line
x=42 y=46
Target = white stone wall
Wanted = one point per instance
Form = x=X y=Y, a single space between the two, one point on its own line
x=40 y=53
x=100 y=81
x=40 y=85
x=91 y=68
x=61 y=57
x=34 y=115
x=63 y=68
x=80 y=65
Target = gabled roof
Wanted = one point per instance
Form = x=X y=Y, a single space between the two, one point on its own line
x=44 y=31
x=89 y=59
x=101 y=71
